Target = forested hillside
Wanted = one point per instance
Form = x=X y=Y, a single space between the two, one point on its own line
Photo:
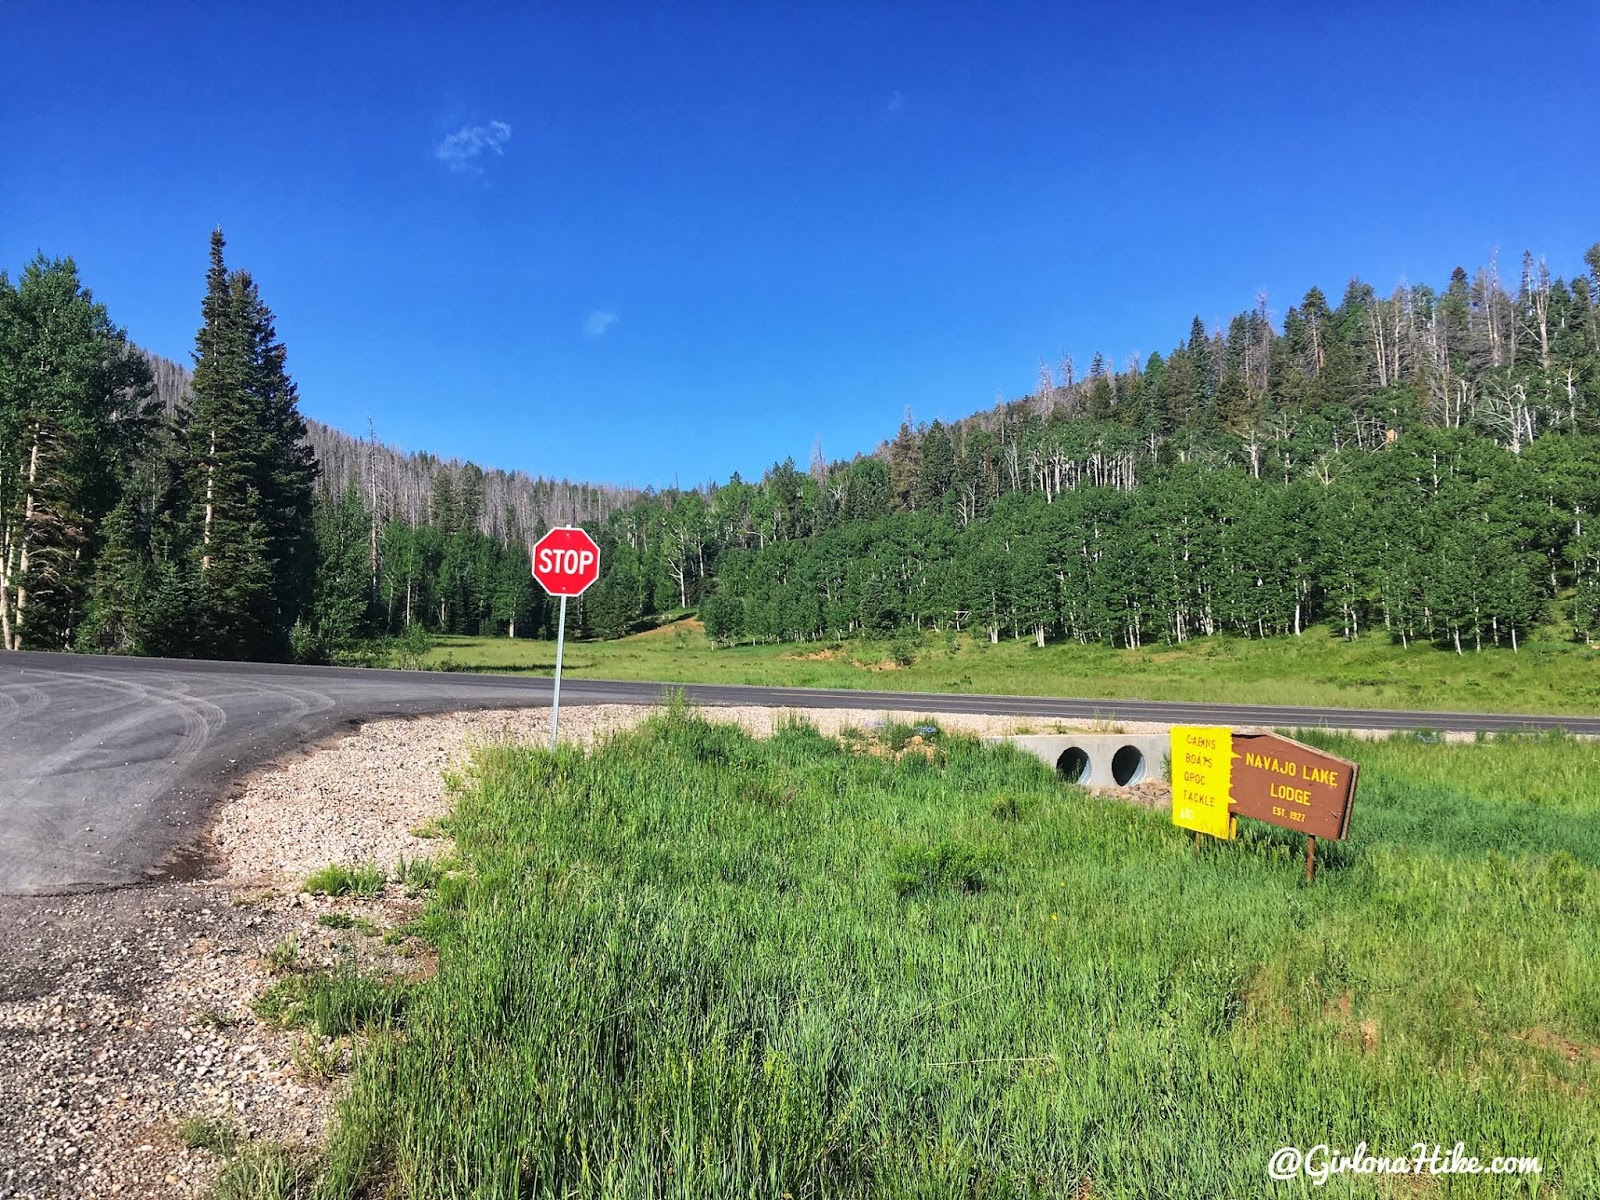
x=1424 y=465
x=148 y=509
x=403 y=486
x=445 y=542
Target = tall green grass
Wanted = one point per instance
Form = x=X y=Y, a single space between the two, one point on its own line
x=1318 y=668
x=692 y=964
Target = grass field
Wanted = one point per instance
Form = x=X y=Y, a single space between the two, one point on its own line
x=1316 y=669
x=692 y=964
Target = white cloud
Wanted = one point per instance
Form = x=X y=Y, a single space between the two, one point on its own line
x=597 y=322
x=462 y=149
x=896 y=103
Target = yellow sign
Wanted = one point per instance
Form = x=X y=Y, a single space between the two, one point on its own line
x=1202 y=776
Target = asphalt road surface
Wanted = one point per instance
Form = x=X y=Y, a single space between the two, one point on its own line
x=108 y=765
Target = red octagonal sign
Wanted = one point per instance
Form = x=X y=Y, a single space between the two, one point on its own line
x=566 y=561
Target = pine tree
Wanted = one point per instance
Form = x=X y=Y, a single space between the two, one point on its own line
x=615 y=603
x=121 y=584
x=337 y=607
x=937 y=467
x=1101 y=398
x=1232 y=409
x=251 y=476
x=905 y=464
x=74 y=417
x=287 y=469
x=1180 y=391
x=1202 y=355
x=1455 y=319
x=513 y=599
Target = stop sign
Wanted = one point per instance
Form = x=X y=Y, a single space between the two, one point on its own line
x=566 y=561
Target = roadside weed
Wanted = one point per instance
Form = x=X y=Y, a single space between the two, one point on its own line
x=215 y=1018
x=216 y=1134
x=331 y=1003
x=316 y=1059
x=956 y=977
x=265 y=1171
x=336 y=880
x=283 y=955
x=417 y=874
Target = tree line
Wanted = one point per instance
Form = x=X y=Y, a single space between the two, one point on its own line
x=1420 y=464
x=146 y=508
x=1442 y=537
x=123 y=528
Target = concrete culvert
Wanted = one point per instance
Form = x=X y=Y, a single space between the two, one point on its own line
x=1127 y=766
x=1073 y=765
x=1085 y=759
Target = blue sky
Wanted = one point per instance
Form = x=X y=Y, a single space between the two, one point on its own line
x=657 y=242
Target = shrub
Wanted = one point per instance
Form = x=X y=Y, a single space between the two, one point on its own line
x=408 y=649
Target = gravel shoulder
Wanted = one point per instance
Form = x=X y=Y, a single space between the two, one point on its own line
x=123 y=1013
x=126 y=1012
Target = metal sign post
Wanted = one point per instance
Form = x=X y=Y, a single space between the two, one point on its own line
x=566 y=562
x=555 y=703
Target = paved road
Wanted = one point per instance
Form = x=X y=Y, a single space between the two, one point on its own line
x=107 y=765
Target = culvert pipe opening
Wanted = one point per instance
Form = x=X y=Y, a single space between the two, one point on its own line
x=1127 y=766
x=1073 y=765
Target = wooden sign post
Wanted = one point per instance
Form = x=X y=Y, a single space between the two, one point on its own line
x=1219 y=774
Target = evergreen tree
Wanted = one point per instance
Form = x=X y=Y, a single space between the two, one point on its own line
x=513 y=602
x=121 y=585
x=1203 y=359
x=251 y=476
x=937 y=467
x=1102 y=399
x=336 y=612
x=1233 y=410
x=905 y=465
x=74 y=417
x=1181 y=397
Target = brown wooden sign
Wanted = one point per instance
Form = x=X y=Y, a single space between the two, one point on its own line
x=1285 y=782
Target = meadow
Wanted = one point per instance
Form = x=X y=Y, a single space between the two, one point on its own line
x=689 y=963
x=1316 y=669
